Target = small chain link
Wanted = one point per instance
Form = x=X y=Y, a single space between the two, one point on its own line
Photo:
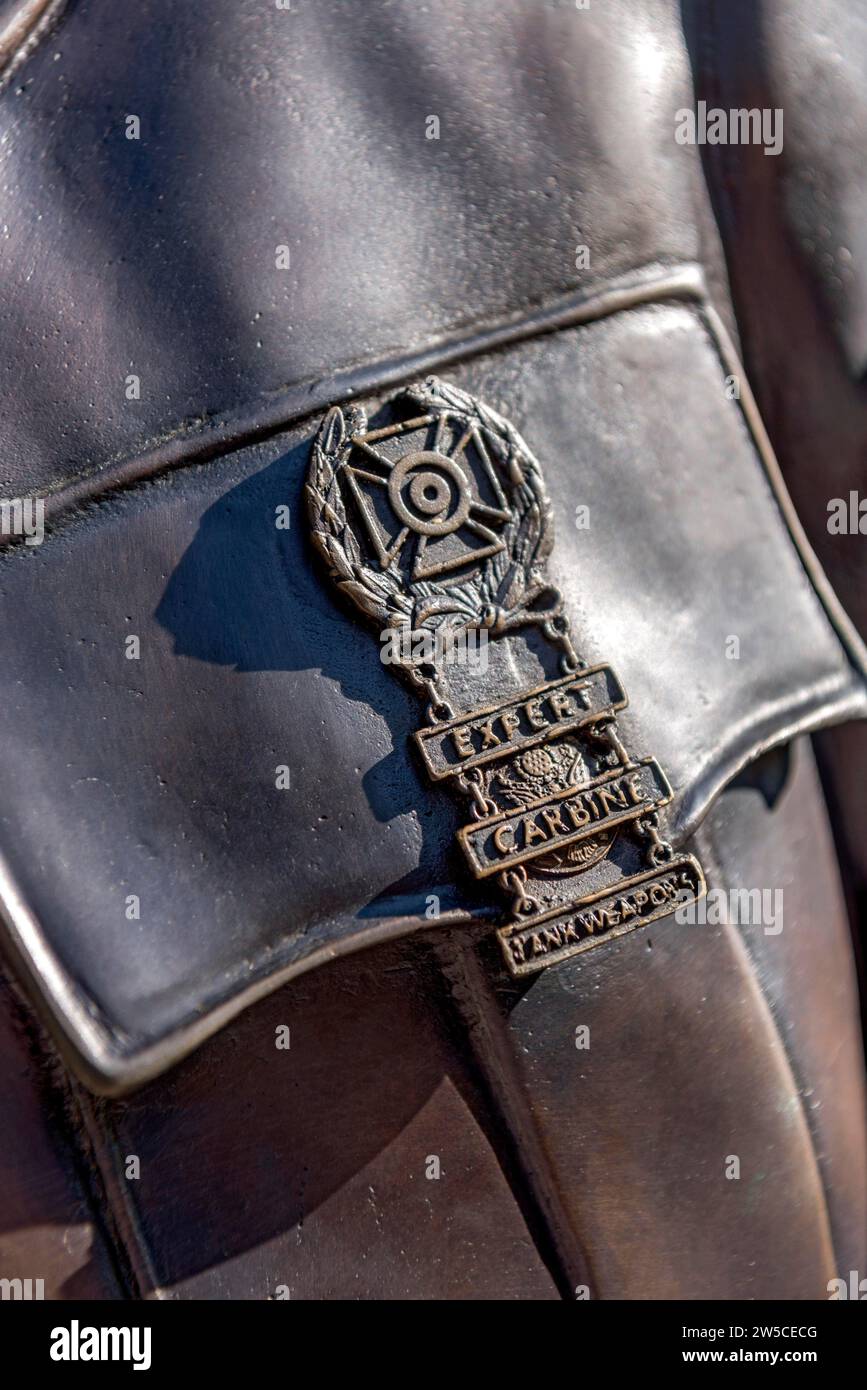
x=438 y=710
x=514 y=881
x=557 y=630
x=659 y=850
x=473 y=784
x=606 y=731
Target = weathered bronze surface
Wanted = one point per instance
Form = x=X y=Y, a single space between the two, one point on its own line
x=643 y=898
x=540 y=715
x=449 y=475
x=569 y=816
x=555 y=254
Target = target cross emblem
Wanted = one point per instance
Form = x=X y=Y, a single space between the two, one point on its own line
x=436 y=498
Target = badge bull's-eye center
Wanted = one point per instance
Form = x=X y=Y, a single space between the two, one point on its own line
x=438 y=522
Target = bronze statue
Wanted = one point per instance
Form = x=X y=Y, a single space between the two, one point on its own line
x=432 y=853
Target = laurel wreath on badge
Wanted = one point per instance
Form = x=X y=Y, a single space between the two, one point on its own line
x=507 y=589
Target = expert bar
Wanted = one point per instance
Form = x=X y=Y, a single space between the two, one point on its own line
x=534 y=716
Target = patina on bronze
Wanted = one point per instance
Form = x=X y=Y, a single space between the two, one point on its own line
x=576 y=813
x=551 y=936
x=539 y=716
x=438 y=523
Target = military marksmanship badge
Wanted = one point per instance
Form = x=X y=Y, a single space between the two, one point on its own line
x=436 y=524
